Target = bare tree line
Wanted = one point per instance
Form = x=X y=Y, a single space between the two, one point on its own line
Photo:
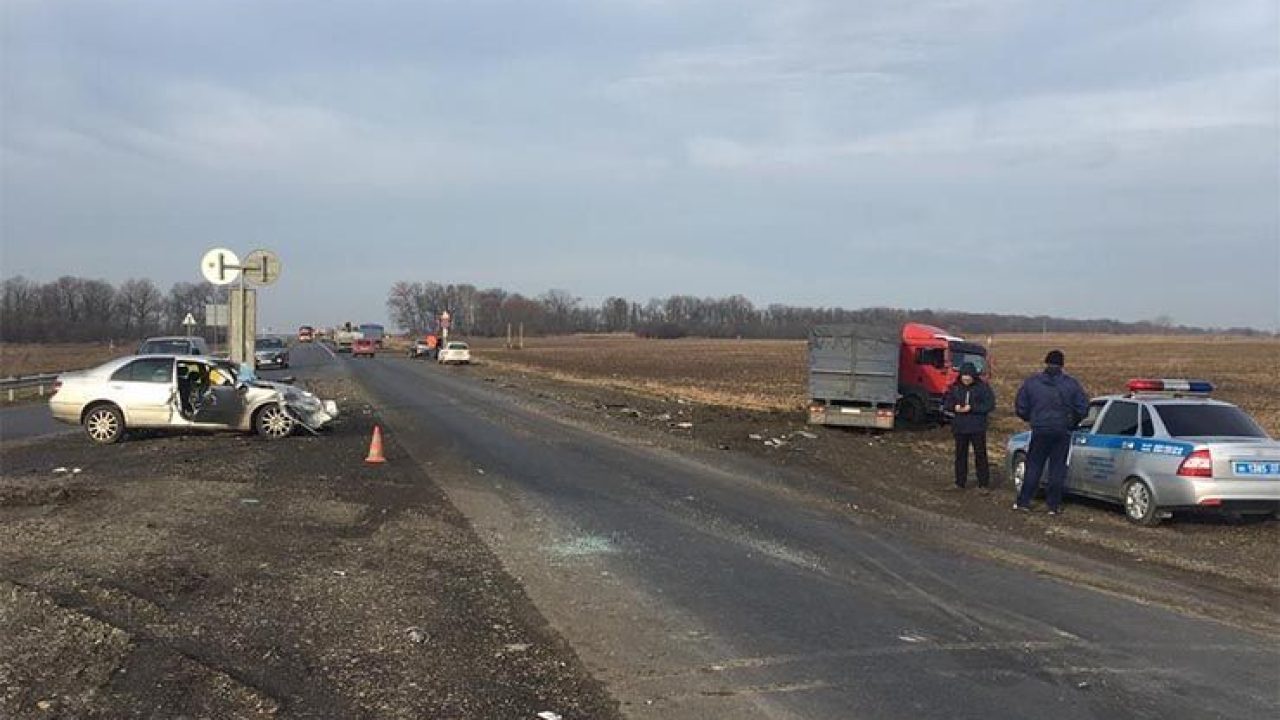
x=415 y=307
x=74 y=309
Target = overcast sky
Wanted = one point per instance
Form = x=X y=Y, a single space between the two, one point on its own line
x=1117 y=159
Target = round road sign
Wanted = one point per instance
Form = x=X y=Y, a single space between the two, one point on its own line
x=220 y=266
x=261 y=267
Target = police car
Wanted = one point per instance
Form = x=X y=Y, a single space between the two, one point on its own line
x=1166 y=445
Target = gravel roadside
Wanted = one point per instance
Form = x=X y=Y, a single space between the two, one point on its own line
x=226 y=576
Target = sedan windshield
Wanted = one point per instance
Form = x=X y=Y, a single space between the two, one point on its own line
x=1208 y=421
x=268 y=344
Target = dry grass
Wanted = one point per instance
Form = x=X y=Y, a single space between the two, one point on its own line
x=754 y=374
x=771 y=374
x=34 y=358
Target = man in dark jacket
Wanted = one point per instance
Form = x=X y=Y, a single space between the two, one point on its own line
x=1053 y=403
x=970 y=401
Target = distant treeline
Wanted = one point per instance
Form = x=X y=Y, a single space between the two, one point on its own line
x=72 y=309
x=415 y=306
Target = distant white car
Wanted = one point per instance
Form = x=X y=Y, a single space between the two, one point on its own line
x=455 y=353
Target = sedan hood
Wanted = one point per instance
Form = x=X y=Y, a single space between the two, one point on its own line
x=305 y=406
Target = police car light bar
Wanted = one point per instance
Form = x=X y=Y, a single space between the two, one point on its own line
x=1198 y=387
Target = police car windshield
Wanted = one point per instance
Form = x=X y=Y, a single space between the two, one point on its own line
x=1208 y=421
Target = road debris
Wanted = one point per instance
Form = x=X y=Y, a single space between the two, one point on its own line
x=416 y=636
x=682 y=425
x=548 y=715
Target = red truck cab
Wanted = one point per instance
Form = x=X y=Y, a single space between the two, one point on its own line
x=930 y=360
x=306 y=334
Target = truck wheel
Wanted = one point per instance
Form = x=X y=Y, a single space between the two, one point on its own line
x=912 y=410
x=104 y=424
x=1140 y=504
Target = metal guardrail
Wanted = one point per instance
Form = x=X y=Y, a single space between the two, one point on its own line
x=39 y=382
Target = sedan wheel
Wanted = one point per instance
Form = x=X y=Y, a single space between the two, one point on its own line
x=274 y=422
x=1139 y=505
x=104 y=425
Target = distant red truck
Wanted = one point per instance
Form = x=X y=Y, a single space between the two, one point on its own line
x=364 y=346
x=866 y=377
x=306 y=333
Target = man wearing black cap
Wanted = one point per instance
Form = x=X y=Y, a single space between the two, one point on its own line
x=969 y=401
x=1053 y=403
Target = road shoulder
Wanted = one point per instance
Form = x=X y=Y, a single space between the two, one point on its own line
x=226 y=576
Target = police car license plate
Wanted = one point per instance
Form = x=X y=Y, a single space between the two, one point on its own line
x=1264 y=469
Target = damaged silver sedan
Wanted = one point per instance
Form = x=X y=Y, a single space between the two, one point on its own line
x=183 y=392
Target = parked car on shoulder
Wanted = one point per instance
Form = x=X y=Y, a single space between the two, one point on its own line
x=173 y=345
x=270 y=352
x=364 y=346
x=1167 y=446
x=421 y=348
x=182 y=392
x=455 y=353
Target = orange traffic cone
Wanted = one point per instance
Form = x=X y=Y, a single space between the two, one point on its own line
x=375 y=447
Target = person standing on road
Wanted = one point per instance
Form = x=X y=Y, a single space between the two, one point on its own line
x=1053 y=403
x=970 y=401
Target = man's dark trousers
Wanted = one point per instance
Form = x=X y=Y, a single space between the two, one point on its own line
x=1047 y=448
x=979 y=442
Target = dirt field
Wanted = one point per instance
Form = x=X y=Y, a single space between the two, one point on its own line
x=34 y=358
x=223 y=576
x=771 y=374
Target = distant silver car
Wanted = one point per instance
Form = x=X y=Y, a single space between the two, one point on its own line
x=1167 y=446
x=182 y=392
x=270 y=352
x=174 y=345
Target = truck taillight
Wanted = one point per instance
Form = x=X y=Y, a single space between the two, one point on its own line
x=1197 y=464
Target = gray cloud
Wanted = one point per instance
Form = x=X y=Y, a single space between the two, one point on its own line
x=1006 y=155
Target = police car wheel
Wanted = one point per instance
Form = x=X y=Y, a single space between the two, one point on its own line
x=1139 y=504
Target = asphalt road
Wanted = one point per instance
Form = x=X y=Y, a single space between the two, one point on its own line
x=704 y=588
x=24 y=422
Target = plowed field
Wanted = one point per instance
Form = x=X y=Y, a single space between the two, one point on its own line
x=770 y=374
